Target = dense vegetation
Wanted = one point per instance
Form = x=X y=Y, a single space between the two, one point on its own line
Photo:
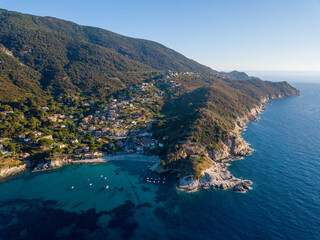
x=73 y=58
x=61 y=82
x=197 y=122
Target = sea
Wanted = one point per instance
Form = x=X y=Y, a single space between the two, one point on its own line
x=123 y=200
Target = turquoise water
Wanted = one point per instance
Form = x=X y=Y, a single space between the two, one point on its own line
x=284 y=202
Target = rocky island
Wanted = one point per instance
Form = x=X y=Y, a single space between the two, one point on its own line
x=70 y=93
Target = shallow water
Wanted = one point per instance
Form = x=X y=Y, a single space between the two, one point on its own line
x=284 y=202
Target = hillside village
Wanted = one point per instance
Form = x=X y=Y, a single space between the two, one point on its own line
x=82 y=128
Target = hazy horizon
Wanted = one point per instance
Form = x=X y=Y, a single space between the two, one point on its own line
x=289 y=76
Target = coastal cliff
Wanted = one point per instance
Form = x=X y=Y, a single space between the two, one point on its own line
x=213 y=164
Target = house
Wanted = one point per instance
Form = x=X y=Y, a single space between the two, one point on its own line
x=52 y=118
x=24 y=155
x=48 y=137
x=96 y=154
x=37 y=134
x=61 y=145
x=1 y=147
x=120 y=133
x=104 y=130
x=22 y=136
x=194 y=156
x=85 y=120
x=98 y=133
x=86 y=149
x=45 y=108
x=74 y=141
x=78 y=151
x=165 y=138
x=92 y=128
x=160 y=144
x=145 y=134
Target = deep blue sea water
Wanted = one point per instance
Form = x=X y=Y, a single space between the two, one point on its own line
x=284 y=202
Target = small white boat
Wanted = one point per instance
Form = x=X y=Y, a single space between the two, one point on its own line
x=105 y=178
x=72 y=187
x=90 y=184
x=101 y=176
x=107 y=186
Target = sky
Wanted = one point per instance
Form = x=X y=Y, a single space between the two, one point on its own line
x=245 y=35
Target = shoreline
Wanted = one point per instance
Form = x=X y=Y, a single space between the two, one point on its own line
x=7 y=173
x=218 y=177
x=234 y=149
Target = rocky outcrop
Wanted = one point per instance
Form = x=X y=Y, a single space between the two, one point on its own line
x=53 y=162
x=8 y=171
x=216 y=177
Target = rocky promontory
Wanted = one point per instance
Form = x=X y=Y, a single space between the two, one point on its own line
x=215 y=173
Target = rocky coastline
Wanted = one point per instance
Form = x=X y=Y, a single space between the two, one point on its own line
x=216 y=176
x=234 y=148
x=9 y=171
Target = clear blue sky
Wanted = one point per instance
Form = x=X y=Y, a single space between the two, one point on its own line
x=222 y=34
